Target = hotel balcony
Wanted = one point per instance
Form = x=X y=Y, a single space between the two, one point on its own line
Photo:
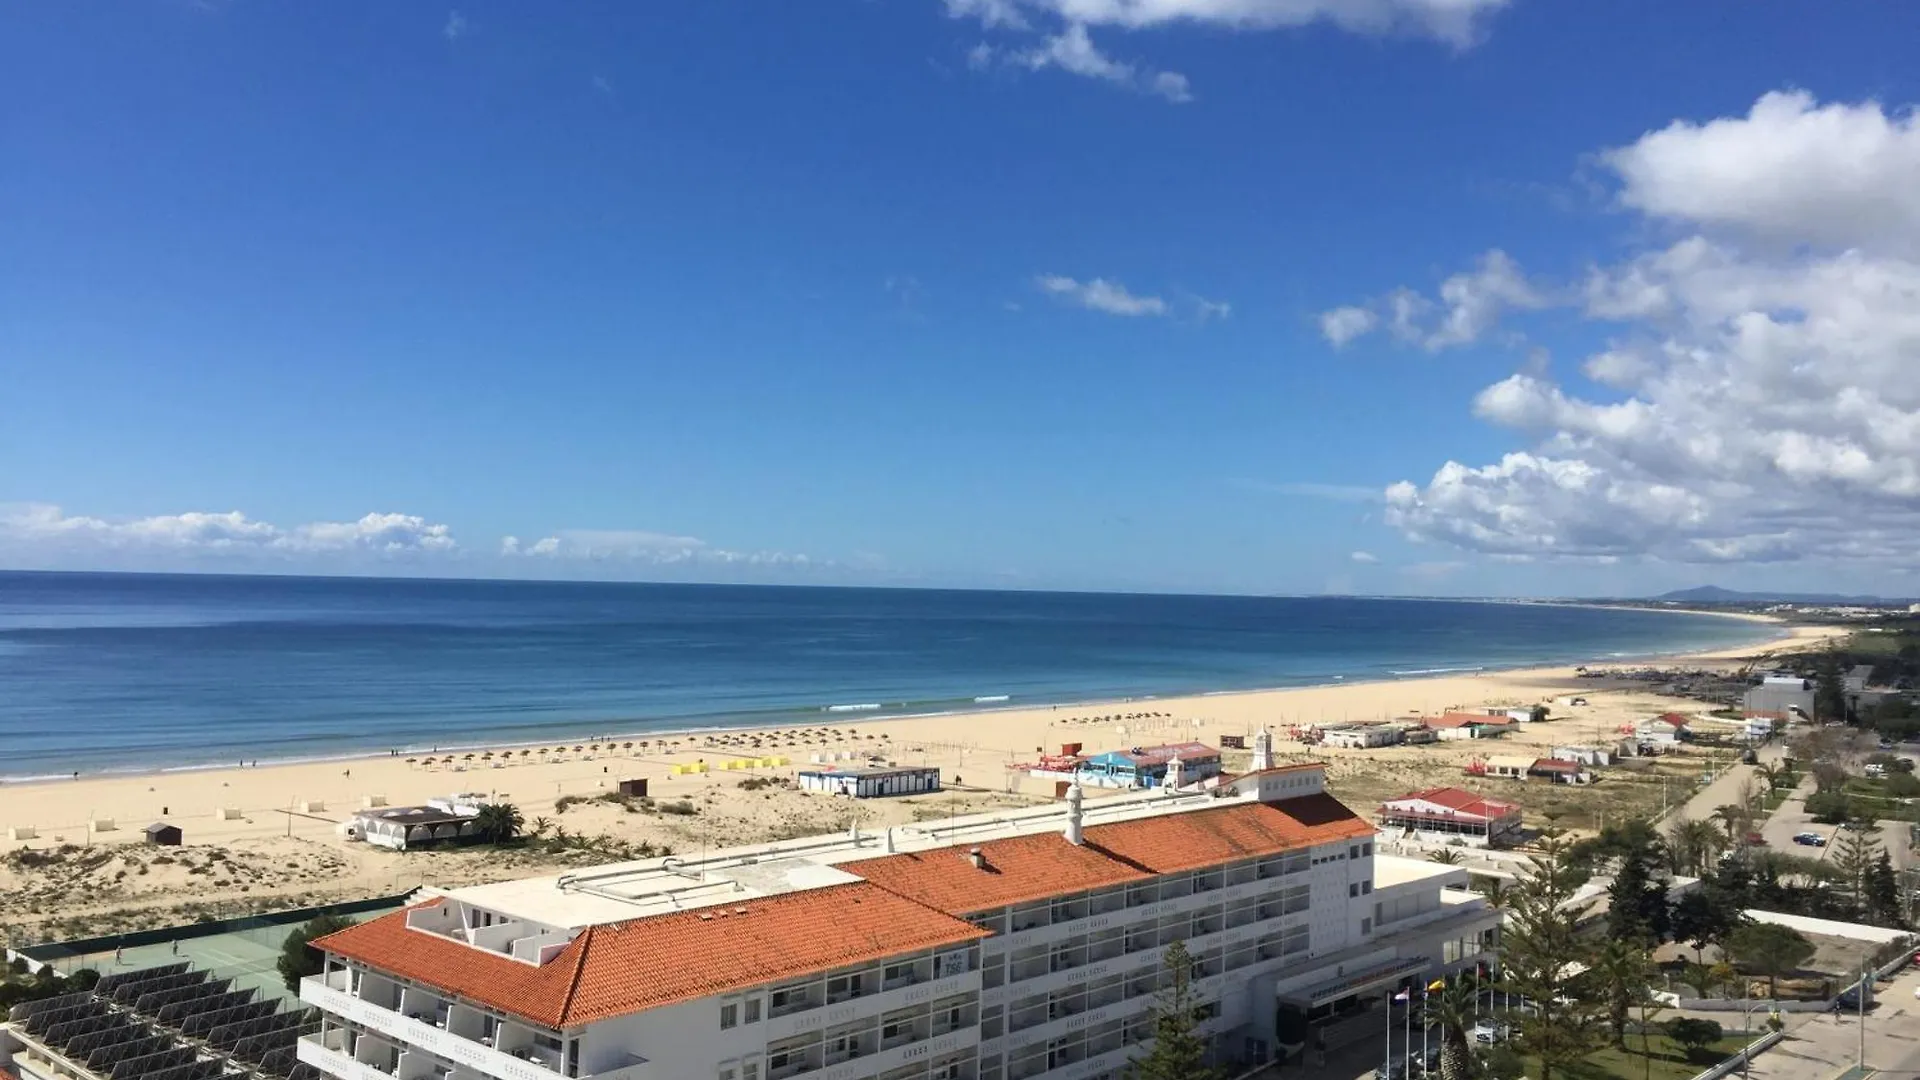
x=450 y=1031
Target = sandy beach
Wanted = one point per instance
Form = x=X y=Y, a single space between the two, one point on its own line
x=274 y=828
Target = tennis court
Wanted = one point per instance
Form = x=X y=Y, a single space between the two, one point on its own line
x=247 y=956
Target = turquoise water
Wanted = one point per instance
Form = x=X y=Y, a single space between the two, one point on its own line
x=128 y=672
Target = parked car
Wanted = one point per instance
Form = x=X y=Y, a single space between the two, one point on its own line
x=1489 y=1031
x=1754 y=839
x=1810 y=839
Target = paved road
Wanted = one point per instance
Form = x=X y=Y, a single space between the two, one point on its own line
x=1820 y=1046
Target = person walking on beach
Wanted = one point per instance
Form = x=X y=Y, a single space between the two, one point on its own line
x=119 y=954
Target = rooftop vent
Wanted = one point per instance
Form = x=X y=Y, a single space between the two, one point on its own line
x=977 y=857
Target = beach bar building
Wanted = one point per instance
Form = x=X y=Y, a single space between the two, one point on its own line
x=402 y=827
x=1146 y=766
x=1452 y=812
x=871 y=781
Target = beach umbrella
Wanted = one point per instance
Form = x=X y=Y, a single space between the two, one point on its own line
x=488 y=756
x=412 y=760
x=577 y=749
x=629 y=746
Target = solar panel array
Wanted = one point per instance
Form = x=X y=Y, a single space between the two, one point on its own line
x=171 y=1023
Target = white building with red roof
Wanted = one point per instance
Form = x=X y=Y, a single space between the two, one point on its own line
x=1451 y=813
x=1009 y=946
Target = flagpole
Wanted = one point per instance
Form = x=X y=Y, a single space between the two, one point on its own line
x=1388 y=1064
x=1426 y=1028
x=1407 y=1043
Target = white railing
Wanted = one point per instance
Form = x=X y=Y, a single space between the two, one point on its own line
x=416 y=1033
x=334 y=1063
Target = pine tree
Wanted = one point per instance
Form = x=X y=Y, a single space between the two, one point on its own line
x=1177 y=1052
x=1852 y=859
x=1541 y=952
x=1637 y=909
x=1883 y=892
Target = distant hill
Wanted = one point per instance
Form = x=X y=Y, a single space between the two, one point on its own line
x=1714 y=594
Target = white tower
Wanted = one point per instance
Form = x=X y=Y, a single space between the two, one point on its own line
x=1262 y=750
x=1176 y=773
x=1074 y=814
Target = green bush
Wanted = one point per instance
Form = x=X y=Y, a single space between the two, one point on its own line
x=298 y=959
x=1693 y=1035
x=1829 y=807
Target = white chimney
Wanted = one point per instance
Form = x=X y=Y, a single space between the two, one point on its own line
x=1262 y=750
x=1176 y=773
x=889 y=839
x=977 y=857
x=1075 y=816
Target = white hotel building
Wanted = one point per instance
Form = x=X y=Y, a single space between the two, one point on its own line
x=1008 y=946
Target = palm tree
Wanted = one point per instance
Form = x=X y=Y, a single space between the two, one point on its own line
x=498 y=822
x=1454 y=1007
x=1769 y=772
x=540 y=827
x=1445 y=857
x=1692 y=846
x=1732 y=817
x=1621 y=970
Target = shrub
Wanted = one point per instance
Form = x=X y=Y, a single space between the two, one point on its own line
x=1693 y=1034
x=298 y=958
x=1828 y=807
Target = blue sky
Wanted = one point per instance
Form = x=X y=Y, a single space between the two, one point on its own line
x=1136 y=294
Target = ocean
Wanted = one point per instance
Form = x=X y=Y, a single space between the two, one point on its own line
x=111 y=672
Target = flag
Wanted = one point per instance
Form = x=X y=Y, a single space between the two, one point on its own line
x=1403 y=996
x=1437 y=985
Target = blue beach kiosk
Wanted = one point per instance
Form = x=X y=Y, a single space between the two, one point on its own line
x=1146 y=766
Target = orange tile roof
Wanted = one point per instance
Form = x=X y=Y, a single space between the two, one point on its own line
x=626 y=967
x=1026 y=868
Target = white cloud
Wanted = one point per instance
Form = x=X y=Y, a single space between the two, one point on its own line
x=638 y=546
x=1764 y=404
x=455 y=26
x=1457 y=22
x=1072 y=50
x=1470 y=305
x=1171 y=85
x=1060 y=28
x=1366 y=558
x=1205 y=309
x=1102 y=295
x=1343 y=324
x=1312 y=490
x=46 y=529
x=1791 y=170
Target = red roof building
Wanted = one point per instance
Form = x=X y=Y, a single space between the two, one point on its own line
x=1451 y=810
x=1461 y=719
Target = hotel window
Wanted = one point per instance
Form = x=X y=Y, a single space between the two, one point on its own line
x=729 y=1071
x=750 y=1070
x=1366 y=848
x=1366 y=887
x=842 y=987
x=753 y=1010
x=1353 y=889
x=1366 y=926
x=729 y=1015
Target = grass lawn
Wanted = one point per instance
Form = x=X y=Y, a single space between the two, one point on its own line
x=1668 y=1062
x=1772 y=799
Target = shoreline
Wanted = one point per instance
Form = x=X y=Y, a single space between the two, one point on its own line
x=832 y=716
